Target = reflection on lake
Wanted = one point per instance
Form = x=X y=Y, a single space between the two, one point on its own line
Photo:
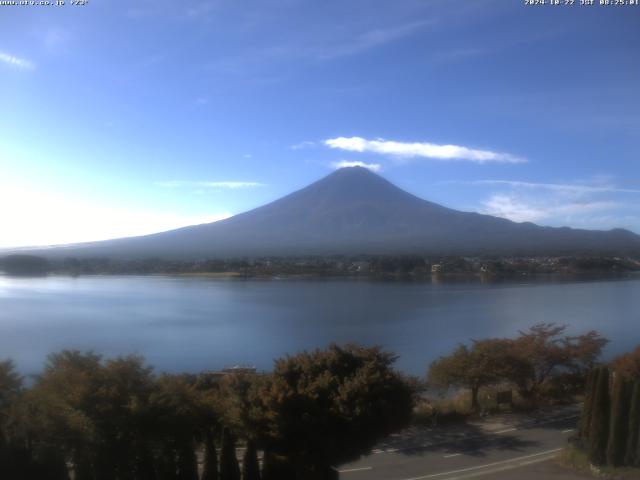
x=201 y=323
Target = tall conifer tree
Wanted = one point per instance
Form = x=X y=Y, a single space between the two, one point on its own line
x=187 y=462
x=250 y=466
x=210 y=470
x=619 y=421
x=587 y=408
x=633 y=444
x=599 y=425
x=268 y=466
x=276 y=468
x=229 y=468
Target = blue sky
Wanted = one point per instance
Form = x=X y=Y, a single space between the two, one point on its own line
x=121 y=118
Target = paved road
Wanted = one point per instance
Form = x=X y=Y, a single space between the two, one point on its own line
x=504 y=447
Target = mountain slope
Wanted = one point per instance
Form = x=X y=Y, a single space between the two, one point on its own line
x=356 y=211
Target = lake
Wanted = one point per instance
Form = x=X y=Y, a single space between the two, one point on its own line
x=195 y=323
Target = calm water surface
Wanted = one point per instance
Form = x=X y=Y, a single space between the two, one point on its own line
x=199 y=323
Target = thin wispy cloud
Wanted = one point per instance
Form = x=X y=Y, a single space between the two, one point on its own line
x=368 y=40
x=324 y=46
x=56 y=40
x=231 y=185
x=404 y=150
x=53 y=38
x=152 y=60
x=589 y=203
x=16 y=62
x=558 y=187
x=460 y=54
x=528 y=210
x=302 y=145
x=191 y=10
x=374 y=167
x=199 y=11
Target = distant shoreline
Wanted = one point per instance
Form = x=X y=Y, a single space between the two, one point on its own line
x=404 y=267
x=458 y=278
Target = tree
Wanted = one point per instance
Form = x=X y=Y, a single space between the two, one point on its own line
x=175 y=420
x=63 y=408
x=25 y=265
x=632 y=456
x=115 y=419
x=10 y=384
x=629 y=364
x=486 y=362
x=187 y=462
x=120 y=415
x=587 y=409
x=619 y=425
x=10 y=392
x=229 y=468
x=95 y=413
x=250 y=466
x=13 y=456
x=241 y=404
x=243 y=412
x=544 y=350
x=210 y=408
x=45 y=462
x=330 y=406
x=599 y=428
x=276 y=468
x=210 y=469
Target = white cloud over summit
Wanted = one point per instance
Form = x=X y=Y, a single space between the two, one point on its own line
x=374 y=167
x=406 y=150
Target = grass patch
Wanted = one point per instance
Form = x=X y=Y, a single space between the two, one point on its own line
x=576 y=459
x=442 y=408
x=439 y=413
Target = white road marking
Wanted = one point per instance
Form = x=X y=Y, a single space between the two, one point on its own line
x=511 y=460
x=507 y=430
x=467 y=436
x=501 y=469
x=361 y=469
x=452 y=455
x=568 y=430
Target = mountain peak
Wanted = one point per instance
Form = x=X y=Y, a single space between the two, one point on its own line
x=353 y=171
x=354 y=210
x=347 y=185
x=353 y=174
